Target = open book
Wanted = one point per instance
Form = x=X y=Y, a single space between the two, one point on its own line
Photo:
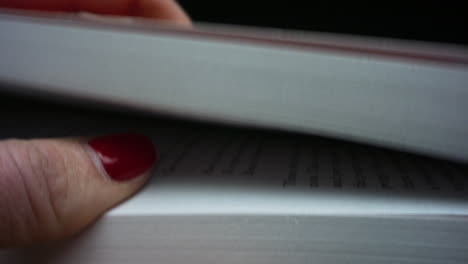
x=237 y=194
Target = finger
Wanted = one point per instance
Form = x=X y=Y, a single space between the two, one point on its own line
x=53 y=188
x=158 y=9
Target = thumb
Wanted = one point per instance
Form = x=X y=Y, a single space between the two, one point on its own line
x=53 y=188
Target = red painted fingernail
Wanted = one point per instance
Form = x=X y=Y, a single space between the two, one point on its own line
x=124 y=156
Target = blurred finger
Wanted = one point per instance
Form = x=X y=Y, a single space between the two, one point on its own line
x=167 y=10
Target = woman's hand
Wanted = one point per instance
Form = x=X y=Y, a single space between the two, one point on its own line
x=167 y=10
x=53 y=188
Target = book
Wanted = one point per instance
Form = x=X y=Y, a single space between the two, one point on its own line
x=399 y=94
x=230 y=195
x=334 y=192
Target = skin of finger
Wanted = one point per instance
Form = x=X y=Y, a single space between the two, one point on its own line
x=162 y=9
x=158 y=9
x=54 y=190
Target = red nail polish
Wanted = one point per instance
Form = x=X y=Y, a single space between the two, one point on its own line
x=124 y=156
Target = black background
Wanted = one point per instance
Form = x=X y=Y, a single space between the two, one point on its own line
x=440 y=21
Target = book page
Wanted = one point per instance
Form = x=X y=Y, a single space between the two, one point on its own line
x=409 y=95
x=299 y=162
x=207 y=169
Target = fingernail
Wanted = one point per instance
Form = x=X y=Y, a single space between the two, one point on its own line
x=124 y=156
